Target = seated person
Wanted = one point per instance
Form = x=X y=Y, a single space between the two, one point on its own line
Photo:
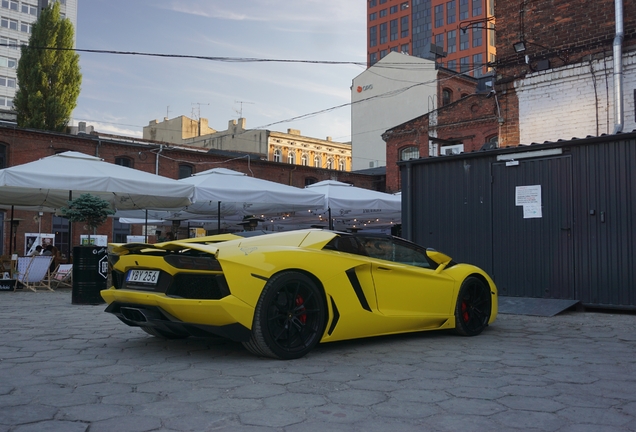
x=37 y=251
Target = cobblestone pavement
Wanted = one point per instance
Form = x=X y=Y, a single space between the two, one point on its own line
x=70 y=368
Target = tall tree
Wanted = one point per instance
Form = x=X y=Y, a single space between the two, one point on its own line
x=49 y=77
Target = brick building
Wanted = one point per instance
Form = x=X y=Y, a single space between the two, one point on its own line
x=467 y=121
x=19 y=146
x=555 y=71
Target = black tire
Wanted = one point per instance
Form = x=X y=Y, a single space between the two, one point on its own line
x=474 y=305
x=289 y=319
x=161 y=333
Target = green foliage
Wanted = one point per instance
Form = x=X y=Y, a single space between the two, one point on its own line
x=89 y=209
x=49 y=77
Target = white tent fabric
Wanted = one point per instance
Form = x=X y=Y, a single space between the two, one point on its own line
x=250 y=195
x=48 y=181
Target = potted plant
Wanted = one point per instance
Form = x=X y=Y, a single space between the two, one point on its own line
x=90 y=263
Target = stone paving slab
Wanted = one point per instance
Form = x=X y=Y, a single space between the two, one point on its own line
x=67 y=367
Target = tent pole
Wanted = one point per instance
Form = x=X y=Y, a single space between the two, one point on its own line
x=218 y=219
x=146 y=227
x=70 y=233
x=330 y=220
x=11 y=235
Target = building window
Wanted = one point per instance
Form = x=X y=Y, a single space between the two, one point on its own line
x=373 y=16
x=404 y=25
x=463 y=41
x=277 y=156
x=493 y=139
x=383 y=33
x=394 y=49
x=317 y=163
x=10 y=43
x=342 y=166
x=452 y=42
x=7 y=82
x=394 y=29
x=304 y=160
x=382 y=13
x=10 y=4
x=409 y=153
x=3 y=156
x=404 y=6
x=29 y=9
x=310 y=181
x=383 y=53
x=330 y=163
x=447 y=97
x=291 y=157
x=25 y=27
x=478 y=65
x=452 y=149
x=452 y=65
x=124 y=161
x=393 y=9
x=477 y=7
x=464 y=64
x=478 y=37
x=8 y=23
x=373 y=36
x=439 y=16
x=382 y=1
x=373 y=58
x=405 y=49
x=121 y=231
x=185 y=171
x=372 y=3
x=451 y=12
x=463 y=9
x=6 y=101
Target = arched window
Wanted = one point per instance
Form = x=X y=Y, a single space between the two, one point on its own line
x=409 y=153
x=317 y=163
x=291 y=157
x=185 y=171
x=330 y=163
x=342 y=166
x=278 y=157
x=447 y=96
x=124 y=161
x=304 y=160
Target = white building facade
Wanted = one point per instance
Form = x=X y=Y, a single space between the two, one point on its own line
x=394 y=90
x=16 y=20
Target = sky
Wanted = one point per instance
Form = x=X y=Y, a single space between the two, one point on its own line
x=120 y=93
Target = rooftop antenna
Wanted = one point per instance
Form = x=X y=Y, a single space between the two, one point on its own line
x=168 y=111
x=199 y=114
x=240 y=113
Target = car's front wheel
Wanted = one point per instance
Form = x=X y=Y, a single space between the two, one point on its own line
x=474 y=304
x=289 y=318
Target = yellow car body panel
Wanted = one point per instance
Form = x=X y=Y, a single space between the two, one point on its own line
x=363 y=296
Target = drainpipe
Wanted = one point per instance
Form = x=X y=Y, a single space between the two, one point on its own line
x=618 y=68
x=157 y=159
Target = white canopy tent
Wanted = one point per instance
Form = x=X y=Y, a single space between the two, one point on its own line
x=50 y=181
x=350 y=207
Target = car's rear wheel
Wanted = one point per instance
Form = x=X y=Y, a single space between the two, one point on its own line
x=162 y=334
x=473 y=309
x=289 y=318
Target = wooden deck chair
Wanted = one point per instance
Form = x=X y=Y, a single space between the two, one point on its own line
x=62 y=277
x=33 y=272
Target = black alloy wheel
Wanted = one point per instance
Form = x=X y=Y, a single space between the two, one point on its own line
x=474 y=305
x=289 y=319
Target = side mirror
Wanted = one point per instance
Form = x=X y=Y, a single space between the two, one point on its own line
x=439 y=258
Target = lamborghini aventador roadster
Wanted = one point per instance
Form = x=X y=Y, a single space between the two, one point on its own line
x=281 y=294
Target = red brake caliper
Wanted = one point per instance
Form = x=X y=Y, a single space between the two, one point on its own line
x=302 y=318
x=465 y=315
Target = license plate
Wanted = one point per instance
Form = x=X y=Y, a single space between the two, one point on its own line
x=149 y=277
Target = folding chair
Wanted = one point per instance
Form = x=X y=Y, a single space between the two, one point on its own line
x=62 y=277
x=33 y=272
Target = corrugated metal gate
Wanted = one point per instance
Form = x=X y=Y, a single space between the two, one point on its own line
x=578 y=242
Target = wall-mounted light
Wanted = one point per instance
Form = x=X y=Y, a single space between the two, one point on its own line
x=519 y=47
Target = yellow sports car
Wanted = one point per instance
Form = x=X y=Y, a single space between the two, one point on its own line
x=281 y=294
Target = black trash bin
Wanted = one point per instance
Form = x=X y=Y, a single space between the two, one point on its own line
x=90 y=274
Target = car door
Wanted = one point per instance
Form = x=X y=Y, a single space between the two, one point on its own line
x=405 y=283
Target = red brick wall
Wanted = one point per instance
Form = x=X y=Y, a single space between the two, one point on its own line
x=25 y=146
x=564 y=32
